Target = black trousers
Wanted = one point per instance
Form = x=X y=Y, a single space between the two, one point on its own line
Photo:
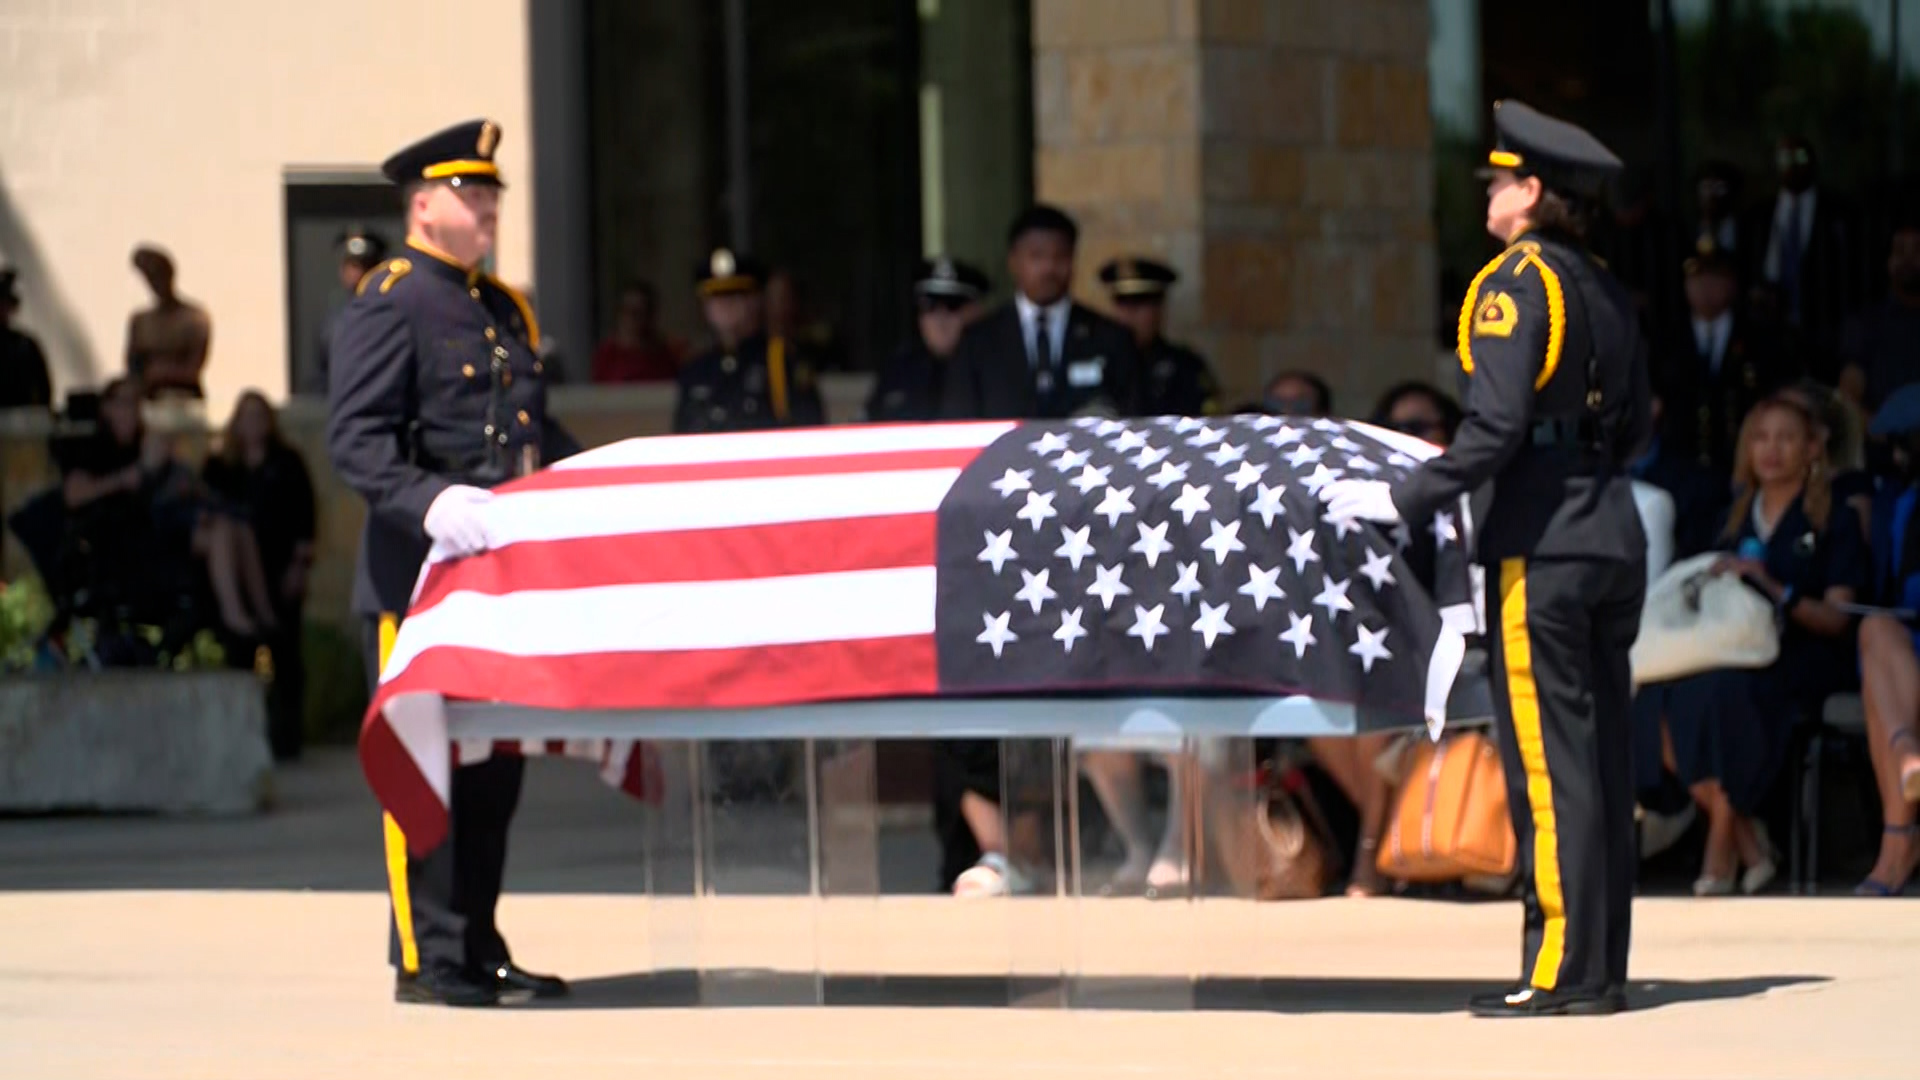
x=443 y=903
x=1563 y=684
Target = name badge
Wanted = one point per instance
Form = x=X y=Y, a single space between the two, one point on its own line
x=1085 y=373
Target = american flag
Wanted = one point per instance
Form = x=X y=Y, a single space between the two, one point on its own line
x=896 y=561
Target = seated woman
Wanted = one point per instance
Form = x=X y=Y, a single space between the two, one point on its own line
x=264 y=485
x=1890 y=682
x=1724 y=733
x=123 y=459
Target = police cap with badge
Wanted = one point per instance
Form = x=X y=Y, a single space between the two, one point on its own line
x=1135 y=281
x=460 y=155
x=727 y=272
x=361 y=245
x=1565 y=157
x=949 y=284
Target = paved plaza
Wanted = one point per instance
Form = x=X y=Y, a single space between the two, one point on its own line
x=138 y=949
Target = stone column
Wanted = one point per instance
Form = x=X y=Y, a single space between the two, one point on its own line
x=1277 y=152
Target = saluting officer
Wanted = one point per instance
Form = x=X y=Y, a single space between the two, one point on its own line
x=1175 y=380
x=1556 y=404
x=948 y=294
x=747 y=380
x=436 y=395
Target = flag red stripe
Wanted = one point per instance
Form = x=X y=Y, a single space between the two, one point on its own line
x=726 y=554
x=698 y=471
x=400 y=788
x=761 y=675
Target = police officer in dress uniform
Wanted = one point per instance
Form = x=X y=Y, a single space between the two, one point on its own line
x=1557 y=403
x=360 y=250
x=1176 y=381
x=748 y=380
x=948 y=294
x=436 y=395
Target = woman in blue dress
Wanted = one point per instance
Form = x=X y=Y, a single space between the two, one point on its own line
x=1725 y=733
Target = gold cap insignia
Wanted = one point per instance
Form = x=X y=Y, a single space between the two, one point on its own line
x=723 y=264
x=489 y=137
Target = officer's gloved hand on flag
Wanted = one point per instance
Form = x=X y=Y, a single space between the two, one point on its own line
x=457 y=522
x=1360 y=500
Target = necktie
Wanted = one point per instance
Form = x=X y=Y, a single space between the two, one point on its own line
x=1790 y=251
x=1043 y=372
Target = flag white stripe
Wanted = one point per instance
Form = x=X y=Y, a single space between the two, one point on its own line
x=629 y=509
x=780 y=445
x=799 y=609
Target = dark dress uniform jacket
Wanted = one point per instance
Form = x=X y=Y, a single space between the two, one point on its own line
x=991 y=378
x=765 y=383
x=434 y=381
x=1176 y=381
x=908 y=388
x=1533 y=319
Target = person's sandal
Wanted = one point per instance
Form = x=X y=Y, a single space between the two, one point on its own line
x=1366 y=881
x=1874 y=887
x=1909 y=776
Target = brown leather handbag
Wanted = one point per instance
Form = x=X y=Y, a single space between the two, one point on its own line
x=1269 y=835
x=1450 y=821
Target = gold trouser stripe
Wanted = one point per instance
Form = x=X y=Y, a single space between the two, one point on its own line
x=1523 y=703
x=397 y=844
x=777 y=376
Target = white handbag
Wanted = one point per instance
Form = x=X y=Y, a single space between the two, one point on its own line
x=1695 y=622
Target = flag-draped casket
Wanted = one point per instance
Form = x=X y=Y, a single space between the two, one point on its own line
x=1162 y=556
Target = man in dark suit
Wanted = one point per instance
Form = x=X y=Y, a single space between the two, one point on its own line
x=1174 y=380
x=1714 y=368
x=1041 y=355
x=1806 y=246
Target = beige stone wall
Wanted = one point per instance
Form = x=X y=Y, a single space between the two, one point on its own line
x=1277 y=152
x=172 y=121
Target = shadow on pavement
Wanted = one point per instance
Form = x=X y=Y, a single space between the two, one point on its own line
x=765 y=989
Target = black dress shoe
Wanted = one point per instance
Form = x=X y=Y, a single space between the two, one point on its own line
x=1528 y=1001
x=444 y=988
x=514 y=980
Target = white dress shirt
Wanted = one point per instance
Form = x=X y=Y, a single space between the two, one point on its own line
x=1056 y=316
x=1711 y=336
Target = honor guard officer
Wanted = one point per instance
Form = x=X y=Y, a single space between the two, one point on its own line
x=1557 y=403
x=360 y=251
x=437 y=394
x=947 y=295
x=748 y=380
x=1175 y=381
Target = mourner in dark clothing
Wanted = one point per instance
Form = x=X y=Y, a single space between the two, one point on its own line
x=1041 y=355
x=360 y=251
x=24 y=382
x=1724 y=733
x=748 y=380
x=1880 y=347
x=1715 y=367
x=947 y=294
x=438 y=394
x=261 y=480
x=1175 y=380
x=1557 y=402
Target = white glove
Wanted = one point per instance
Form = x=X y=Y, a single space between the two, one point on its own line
x=457 y=521
x=1360 y=500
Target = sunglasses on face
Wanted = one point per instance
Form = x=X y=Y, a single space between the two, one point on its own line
x=949 y=304
x=1424 y=428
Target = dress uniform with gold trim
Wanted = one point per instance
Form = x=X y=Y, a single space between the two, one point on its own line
x=437 y=382
x=908 y=388
x=762 y=382
x=1557 y=403
x=1175 y=380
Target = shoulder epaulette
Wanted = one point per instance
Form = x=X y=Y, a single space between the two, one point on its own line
x=388 y=272
x=526 y=310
